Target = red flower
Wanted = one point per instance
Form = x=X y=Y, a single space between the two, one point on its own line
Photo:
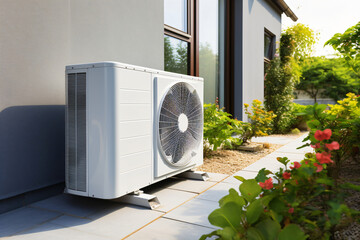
x=323 y=135
x=319 y=167
x=291 y=210
x=286 y=175
x=333 y=146
x=324 y=157
x=268 y=184
x=296 y=165
x=317 y=145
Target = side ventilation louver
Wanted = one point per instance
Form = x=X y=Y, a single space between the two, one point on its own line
x=76 y=132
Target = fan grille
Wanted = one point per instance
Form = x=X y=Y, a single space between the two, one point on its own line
x=180 y=124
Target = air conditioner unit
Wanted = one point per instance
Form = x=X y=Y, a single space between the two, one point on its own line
x=128 y=127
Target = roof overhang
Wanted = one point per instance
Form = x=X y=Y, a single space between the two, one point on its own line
x=284 y=8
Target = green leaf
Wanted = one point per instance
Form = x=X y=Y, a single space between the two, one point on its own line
x=313 y=124
x=276 y=216
x=241 y=179
x=292 y=232
x=254 y=211
x=277 y=205
x=266 y=200
x=250 y=189
x=325 y=181
x=350 y=186
x=233 y=196
x=283 y=160
x=261 y=176
x=228 y=215
x=269 y=229
x=253 y=234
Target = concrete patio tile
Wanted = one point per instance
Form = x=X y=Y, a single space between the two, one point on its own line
x=23 y=219
x=242 y=173
x=73 y=205
x=117 y=224
x=293 y=149
x=274 y=140
x=216 y=177
x=218 y=191
x=292 y=156
x=170 y=230
x=194 y=186
x=195 y=211
x=170 y=198
x=55 y=232
x=269 y=164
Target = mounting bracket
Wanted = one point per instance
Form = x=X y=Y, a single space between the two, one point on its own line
x=197 y=175
x=140 y=198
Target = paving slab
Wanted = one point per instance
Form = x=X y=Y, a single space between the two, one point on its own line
x=194 y=186
x=291 y=156
x=274 y=140
x=22 y=219
x=170 y=198
x=170 y=229
x=73 y=205
x=218 y=191
x=217 y=177
x=117 y=224
x=195 y=211
x=243 y=173
x=55 y=232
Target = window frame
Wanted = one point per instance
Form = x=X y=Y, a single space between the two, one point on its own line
x=271 y=47
x=191 y=36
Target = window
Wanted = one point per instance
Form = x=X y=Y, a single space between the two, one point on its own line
x=179 y=36
x=211 y=48
x=269 y=48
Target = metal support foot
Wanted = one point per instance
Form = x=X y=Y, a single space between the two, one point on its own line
x=142 y=199
x=197 y=175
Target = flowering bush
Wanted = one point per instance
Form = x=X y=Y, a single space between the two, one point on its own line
x=260 y=119
x=299 y=201
x=344 y=120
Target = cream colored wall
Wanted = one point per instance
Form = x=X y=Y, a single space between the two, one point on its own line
x=39 y=37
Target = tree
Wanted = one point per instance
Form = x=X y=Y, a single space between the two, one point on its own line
x=348 y=45
x=283 y=73
x=327 y=78
x=303 y=39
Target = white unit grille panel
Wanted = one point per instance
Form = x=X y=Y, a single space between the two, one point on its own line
x=76 y=132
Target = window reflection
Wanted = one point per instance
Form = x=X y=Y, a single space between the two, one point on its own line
x=176 y=54
x=210 y=41
x=175 y=14
x=268 y=46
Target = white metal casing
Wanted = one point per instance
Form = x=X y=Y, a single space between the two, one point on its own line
x=121 y=149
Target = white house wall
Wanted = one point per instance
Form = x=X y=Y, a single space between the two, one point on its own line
x=37 y=39
x=257 y=15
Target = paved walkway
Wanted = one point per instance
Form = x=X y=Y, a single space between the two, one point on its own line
x=183 y=214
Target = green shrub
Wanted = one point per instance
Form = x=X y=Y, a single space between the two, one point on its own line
x=219 y=129
x=295 y=131
x=279 y=87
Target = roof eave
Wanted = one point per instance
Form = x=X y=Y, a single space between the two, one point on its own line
x=281 y=4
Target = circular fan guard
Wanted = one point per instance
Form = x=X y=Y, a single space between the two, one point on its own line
x=180 y=124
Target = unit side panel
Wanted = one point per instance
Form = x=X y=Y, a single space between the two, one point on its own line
x=133 y=129
x=101 y=133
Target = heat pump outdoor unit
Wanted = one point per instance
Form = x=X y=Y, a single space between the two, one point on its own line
x=128 y=127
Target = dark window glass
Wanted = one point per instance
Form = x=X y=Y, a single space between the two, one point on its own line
x=176 y=54
x=268 y=46
x=175 y=14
